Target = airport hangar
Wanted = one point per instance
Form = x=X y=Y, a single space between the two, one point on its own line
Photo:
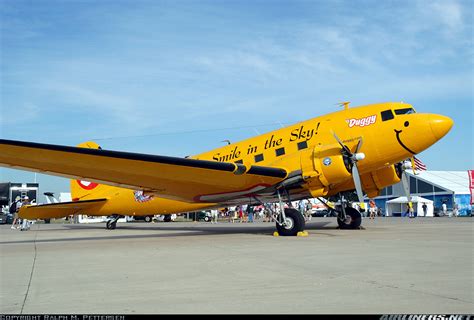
x=437 y=186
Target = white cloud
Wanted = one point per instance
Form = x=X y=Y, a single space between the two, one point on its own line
x=448 y=13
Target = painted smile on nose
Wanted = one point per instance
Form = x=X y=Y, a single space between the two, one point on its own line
x=406 y=124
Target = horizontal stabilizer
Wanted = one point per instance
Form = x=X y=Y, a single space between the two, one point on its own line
x=58 y=210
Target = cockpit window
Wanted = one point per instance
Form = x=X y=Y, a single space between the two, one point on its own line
x=387 y=115
x=404 y=111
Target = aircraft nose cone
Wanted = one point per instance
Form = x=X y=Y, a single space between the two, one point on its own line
x=440 y=125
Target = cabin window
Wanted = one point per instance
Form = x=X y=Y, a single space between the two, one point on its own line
x=280 y=152
x=239 y=161
x=259 y=157
x=302 y=145
x=387 y=115
x=404 y=111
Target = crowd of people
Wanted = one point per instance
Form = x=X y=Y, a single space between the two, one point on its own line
x=258 y=213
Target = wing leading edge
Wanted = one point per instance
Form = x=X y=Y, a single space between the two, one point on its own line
x=175 y=178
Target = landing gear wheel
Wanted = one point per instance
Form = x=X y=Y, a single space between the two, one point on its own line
x=147 y=219
x=111 y=225
x=352 y=221
x=294 y=223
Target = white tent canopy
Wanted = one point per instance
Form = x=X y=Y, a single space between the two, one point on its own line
x=398 y=206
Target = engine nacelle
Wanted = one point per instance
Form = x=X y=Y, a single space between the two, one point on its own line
x=323 y=167
x=374 y=182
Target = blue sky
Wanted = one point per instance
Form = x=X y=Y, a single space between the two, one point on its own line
x=178 y=77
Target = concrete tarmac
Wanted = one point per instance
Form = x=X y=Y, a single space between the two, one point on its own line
x=393 y=265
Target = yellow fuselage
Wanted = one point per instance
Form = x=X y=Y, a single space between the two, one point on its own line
x=305 y=147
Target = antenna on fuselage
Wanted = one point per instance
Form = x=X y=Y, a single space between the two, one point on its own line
x=344 y=104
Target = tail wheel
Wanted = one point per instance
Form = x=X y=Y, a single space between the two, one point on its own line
x=294 y=223
x=352 y=221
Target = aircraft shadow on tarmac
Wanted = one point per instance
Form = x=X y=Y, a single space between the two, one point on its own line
x=197 y=230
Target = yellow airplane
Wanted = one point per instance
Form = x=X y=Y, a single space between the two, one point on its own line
x=360 y=149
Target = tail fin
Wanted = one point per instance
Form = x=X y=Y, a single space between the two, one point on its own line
x=85 y=190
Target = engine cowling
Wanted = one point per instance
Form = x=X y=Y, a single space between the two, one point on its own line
x=322 y=168
x=374 y=182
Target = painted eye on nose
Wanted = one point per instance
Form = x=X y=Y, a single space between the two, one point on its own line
x=407 y=123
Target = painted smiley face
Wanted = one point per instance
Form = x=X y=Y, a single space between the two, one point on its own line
x=397 y=132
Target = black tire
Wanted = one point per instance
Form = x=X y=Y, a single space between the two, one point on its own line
x=353 y=219
x=47 y=220
x=207 y=219
x=147 y=218
x=167 y=218
x=295 y=222
x=111 y=225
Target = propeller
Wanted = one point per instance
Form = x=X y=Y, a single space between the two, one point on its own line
x=405 y=178
x=352 y=159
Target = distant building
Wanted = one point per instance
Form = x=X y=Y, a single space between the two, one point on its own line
x=10 y=190
x=438 y=186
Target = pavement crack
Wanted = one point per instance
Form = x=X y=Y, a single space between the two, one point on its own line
x=31 y=275
x=385 y=285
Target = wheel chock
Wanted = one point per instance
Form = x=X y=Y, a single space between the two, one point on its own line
x=299 y=234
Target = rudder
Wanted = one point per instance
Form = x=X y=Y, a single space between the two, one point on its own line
x=83 y=190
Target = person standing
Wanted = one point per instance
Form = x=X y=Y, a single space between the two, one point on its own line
x=444 y=208
x=372 y=209
x=14 y=207
x=215 y=214
x=241 y=214
x=425 y=209
x=250 y=213
x=455 y=209
x=308 y=210
x=25 y=224
x=302 y=207
x=410 y=210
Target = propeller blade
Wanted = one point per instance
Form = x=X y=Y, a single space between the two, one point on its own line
x=359 y=144
x=357 y=183
x=337 y=138
x=413 y=166
x=342 y=144
x=406 y=185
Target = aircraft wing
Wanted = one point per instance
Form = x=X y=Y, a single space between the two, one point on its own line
x=57 y=210
x=182 y=179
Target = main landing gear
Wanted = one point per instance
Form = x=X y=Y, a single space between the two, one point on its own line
x=350 y=218
x=289 y=221
x=112 y=221
x=347 y=216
